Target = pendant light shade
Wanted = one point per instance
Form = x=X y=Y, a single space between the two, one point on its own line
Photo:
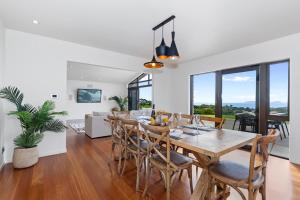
x=162 y=49
x=173 y=52
x=153 y=64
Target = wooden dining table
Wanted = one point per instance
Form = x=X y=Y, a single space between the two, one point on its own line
x=207 y=145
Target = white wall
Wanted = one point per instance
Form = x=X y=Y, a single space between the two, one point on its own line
x=283 y=48
x=78 y=110
x=38 y=66
x=1 y=85
x=161 y=89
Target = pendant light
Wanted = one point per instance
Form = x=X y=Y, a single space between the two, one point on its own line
x=153 y=64
x=162 y=49
x=173 y=52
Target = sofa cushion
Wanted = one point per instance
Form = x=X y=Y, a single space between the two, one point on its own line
x=100 y=113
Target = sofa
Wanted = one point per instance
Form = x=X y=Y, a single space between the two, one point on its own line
x=143 y=112
x=95 y=126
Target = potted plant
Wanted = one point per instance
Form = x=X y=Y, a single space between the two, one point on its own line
x=34 y=122
x=122 y=102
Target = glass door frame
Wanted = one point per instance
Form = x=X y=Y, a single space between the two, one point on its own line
x=219 y=88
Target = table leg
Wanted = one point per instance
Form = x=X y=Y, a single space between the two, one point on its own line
x=203 y=186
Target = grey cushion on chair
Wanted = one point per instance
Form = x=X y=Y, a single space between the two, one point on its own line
x=177 y=158
x=232 y=171
x=143 y=143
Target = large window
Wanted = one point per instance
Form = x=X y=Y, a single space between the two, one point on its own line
x=140 y=92
x=204 y=94
x=252 y=98
x=259 y=92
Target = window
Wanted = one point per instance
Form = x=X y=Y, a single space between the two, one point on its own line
x=260 y=91
x=203 y=94
x=239 y=99
x=140 y=92
x=279 y=88
x=251 y=98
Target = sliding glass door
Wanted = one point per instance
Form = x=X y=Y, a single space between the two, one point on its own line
x=252 y=98
x=278 y=105
x=239 y=99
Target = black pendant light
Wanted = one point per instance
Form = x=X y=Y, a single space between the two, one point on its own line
x=162 y=49
x=173 y=52
x=153 y=64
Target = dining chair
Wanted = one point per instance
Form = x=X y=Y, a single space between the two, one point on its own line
x=167 y=161
x=168 y=114
x=252 y=177
x=279 y=125
x=117 y=138
x=246 y=119
x=219 y=122
x=122 y=114
x=183 y=118
x=134 y=145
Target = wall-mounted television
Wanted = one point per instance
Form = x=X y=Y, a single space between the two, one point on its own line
x=89 y=95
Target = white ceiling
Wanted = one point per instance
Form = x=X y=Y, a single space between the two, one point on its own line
x=88 y=72
x=203 y=27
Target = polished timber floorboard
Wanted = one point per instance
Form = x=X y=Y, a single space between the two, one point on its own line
x=87 y=172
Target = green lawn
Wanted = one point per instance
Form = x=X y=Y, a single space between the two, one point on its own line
x=224 y=116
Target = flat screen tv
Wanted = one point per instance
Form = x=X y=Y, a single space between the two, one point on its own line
x=89 y=95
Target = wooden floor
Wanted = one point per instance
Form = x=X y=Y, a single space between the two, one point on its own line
x=87 y=172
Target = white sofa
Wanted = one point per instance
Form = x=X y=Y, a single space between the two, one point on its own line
x=95 y=126
x=143 y=112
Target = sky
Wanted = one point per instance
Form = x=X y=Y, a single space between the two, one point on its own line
x=240 y=87
x=145 y=93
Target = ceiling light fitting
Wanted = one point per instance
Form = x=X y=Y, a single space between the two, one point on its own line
x=35 y=21
x=153 y=64
x=163 y=51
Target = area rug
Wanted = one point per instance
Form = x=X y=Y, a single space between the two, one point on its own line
x=77 y=125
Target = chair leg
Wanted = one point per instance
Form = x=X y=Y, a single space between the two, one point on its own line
x=147 y=177
x=137 y=159
x=124 y=162
x=262 y=189
x=190 y=178
x=113 y=146
x=180 y=174
x=250 y=194
x=283 y=131
x=279 y=132
x=233 y=125
x=120 y=158
x=164 y=178
x=287 y=130
x=168 y=184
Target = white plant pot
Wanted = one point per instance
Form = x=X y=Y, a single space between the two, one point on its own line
x=25 y=157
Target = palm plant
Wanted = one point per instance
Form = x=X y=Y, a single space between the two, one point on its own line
x=122 y=102
x=34 y=121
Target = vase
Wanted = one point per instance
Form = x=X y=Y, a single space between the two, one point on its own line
x=25 y=157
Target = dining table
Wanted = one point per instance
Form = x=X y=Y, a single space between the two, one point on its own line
x=207 y=144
